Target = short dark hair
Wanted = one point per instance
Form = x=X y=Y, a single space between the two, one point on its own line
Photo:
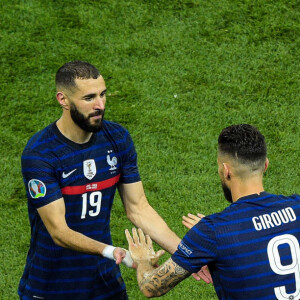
x=243 y=142
x=66 y=75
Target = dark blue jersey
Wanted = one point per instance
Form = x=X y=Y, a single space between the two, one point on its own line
x=251 y=248
x=86 y=176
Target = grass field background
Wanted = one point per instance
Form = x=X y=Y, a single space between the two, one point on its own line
x=177 y=72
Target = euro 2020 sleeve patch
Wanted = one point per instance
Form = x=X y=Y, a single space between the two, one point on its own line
x=36 y=188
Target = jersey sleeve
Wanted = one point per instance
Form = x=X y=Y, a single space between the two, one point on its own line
x=129 y=172
x=39 y=178
x=197 y=248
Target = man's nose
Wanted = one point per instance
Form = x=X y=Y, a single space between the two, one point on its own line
x=99 y=103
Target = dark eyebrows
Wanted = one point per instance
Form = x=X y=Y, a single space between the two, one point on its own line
x=88 y=96
x=93 y=95
x=103 y=92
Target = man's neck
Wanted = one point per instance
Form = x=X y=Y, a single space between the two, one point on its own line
x=72 y=131
x=242 y=188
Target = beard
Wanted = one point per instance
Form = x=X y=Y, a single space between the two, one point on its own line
x=227 y=192
x=84 y=122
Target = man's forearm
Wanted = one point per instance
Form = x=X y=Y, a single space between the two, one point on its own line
x=152 y=223
x=154 y=282
x=142 y=215
x=53 y=217
x=144 y=275
x=76 y=241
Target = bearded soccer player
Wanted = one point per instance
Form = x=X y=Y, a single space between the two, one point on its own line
x=71 y=170
x=251 y=248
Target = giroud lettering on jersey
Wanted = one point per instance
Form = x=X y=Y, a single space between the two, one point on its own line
x=273 y=219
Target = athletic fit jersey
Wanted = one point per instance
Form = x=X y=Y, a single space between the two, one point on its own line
x=86 y=176
x=251 y=248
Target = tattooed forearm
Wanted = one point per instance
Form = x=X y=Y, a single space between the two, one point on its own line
x=171 y=279
x=165 y=268
x=178 y=269
x=159 y=281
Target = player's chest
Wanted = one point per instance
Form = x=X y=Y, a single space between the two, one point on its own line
x=88 y=167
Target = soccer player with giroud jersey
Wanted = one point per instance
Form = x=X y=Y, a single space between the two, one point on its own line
x=251 y=248
x=71 y=171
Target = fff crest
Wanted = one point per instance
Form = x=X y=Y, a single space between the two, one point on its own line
x=112 y=162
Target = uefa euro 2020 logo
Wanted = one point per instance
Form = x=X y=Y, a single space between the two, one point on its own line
x=36 y=188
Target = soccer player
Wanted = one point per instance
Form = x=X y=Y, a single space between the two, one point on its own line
x=251 y=248
x=71 y=170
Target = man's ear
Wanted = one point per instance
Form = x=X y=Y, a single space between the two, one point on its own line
x=226 y=171
x=62 y=100
x=266 y=164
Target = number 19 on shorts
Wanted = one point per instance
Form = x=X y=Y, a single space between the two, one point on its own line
x=91 y=204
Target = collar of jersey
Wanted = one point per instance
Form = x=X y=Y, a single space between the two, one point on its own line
x=71 y=143
x=253 y=196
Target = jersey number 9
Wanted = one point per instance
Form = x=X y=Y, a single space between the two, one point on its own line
x=278 y=268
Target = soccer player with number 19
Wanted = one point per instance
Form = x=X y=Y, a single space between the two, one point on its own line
x=251 y=248
x=71 y=170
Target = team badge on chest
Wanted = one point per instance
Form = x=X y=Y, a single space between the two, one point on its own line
x=89 y=169
x=112 y=162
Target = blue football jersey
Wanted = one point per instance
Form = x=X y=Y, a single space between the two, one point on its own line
x=251 y=248
x=86 y=176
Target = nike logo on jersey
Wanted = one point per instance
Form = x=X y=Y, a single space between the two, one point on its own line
x=64 y=175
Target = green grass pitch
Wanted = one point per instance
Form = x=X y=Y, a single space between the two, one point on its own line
x=177 y=72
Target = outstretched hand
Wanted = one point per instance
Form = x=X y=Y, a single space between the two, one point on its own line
x=140 y=247
x=190 y=220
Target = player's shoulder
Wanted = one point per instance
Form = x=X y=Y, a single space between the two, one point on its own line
x=247 y=205
x=296 y=196
x=215 y=218
x=224 y=216
x=281 y=199
x=116 y=131
x=40 y=140
x=289 y=201
x=291 y=197
x=113 y=126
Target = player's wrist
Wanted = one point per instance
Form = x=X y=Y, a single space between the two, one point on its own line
x=108 y=252
x=127 y=261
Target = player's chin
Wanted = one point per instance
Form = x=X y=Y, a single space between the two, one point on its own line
x=96 y=125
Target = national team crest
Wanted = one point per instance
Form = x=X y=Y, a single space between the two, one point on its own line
x=36 y=188
x=89 y=169
x=112 y=162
